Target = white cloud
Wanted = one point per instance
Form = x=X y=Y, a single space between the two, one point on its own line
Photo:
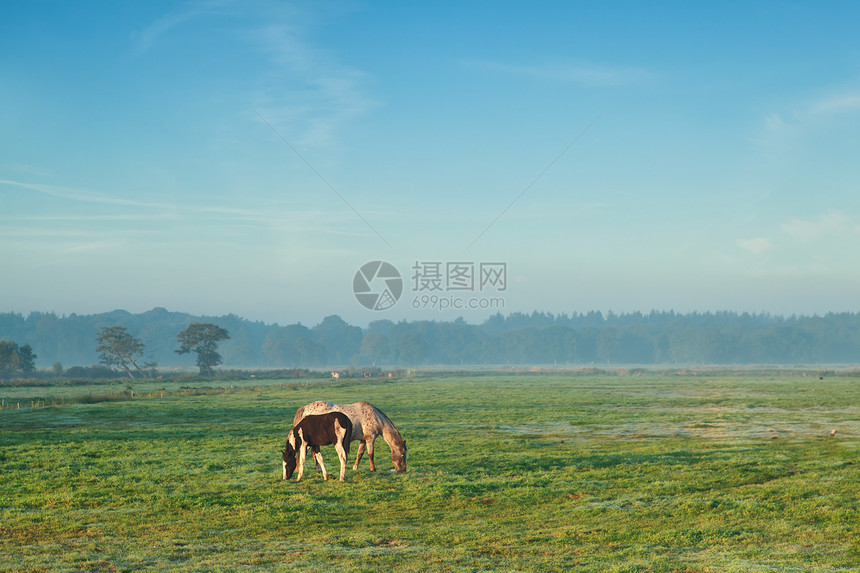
x=152 y=33
x=95 y=246
x=838 y=104
x=774 y=123
x=792 y=125
x=140 y=218
x=830 y=223
x=26 y=169
x=79 y=195
x=757 y=246
x=307 y=92
x=188 y=12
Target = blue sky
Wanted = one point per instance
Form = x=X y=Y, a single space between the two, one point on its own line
x=248 y=157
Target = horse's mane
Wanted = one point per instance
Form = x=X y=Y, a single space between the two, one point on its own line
x=381 y=414
x=387 y=423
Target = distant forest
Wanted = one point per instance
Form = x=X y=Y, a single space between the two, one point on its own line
x=517 y=339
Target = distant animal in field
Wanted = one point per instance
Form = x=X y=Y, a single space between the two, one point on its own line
x=368 y=422
x=311 y=433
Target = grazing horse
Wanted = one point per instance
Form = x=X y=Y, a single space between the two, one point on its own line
x=313 y=432
x=368 y=422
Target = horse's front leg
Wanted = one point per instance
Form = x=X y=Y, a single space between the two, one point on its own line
x=303 y=451
x=361 y=447
x=370 y=453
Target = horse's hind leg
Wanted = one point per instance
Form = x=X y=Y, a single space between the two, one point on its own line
x=318 y=456
x=361 y=447
x=342 y=447
x=317 y=460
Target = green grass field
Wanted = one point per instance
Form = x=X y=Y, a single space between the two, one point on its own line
x=506 y=473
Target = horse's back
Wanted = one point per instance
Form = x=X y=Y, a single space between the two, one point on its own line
x=322 y=429
x=313 y=409
x=352 y=411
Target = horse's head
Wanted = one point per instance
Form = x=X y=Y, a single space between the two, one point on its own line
x=398 y=456
x=289 y=456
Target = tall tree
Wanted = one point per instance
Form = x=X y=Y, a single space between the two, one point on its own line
x=14 y=358
x=119 y=348
x=9 y=361
x=202 y=338
x=26 y=359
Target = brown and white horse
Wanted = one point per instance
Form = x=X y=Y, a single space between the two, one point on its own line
x=313 y=432
x=368 y=422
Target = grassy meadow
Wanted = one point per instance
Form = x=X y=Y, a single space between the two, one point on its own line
x=506 y=472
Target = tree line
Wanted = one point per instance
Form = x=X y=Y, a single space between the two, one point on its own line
x=516 y=339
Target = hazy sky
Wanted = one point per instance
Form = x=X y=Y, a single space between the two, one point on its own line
x=249 y=157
